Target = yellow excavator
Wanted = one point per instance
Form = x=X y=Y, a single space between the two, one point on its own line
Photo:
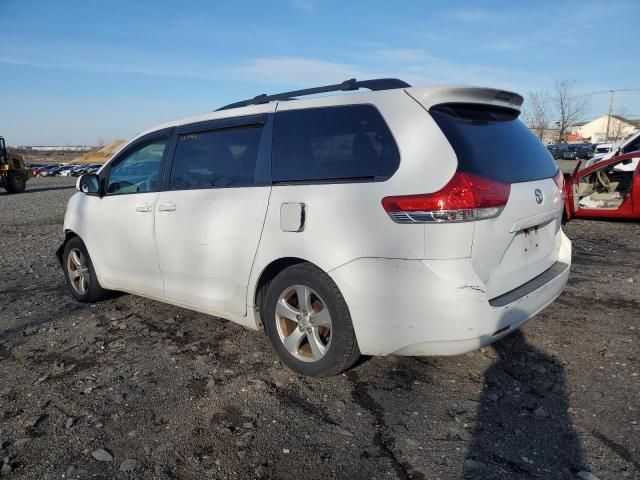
x=13 y=174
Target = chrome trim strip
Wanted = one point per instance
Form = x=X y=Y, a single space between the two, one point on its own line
x=439 y=216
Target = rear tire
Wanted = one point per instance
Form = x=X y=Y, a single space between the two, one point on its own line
x=79 y=272
x=308 y=322
x=16 y=182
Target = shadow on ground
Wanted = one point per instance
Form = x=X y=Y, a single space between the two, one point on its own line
x=523 y=428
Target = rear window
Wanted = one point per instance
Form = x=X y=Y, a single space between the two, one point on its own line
x=493 y=143
x=345 y=143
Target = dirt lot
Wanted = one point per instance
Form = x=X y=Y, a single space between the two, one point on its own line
x=132 y=388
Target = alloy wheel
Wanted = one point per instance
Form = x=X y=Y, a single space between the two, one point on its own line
x=303 y=322
x=78 y=271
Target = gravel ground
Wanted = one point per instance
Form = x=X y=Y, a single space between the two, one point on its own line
x=132 y=388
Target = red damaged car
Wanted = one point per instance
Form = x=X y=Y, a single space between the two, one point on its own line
x=607 y=189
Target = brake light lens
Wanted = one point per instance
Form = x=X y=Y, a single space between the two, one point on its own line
x=559 y=180
x=465 y=198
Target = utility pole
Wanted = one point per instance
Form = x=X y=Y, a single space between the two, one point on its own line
x=612 y=94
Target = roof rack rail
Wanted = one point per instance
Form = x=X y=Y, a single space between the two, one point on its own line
x=347 y=85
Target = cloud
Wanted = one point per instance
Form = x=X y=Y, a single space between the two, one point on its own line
x=113 y=68
x=307 y=5
x=298 y=70
x=401 y=55
x=476 y=15
x=421 y=67
x=416 y=66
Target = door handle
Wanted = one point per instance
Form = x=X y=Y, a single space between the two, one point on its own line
x=145 y=207
x=167 y=207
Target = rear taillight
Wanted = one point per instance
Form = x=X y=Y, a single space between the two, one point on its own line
x=465 y=198
x=559 y=180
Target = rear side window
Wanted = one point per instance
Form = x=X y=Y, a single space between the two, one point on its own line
x=217 y=158
x=346 y=143
x=493 y=143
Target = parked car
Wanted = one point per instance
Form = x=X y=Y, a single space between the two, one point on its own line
x=607 y=189
x=38 y=171
x=92 y=169
x=83 y=170
x=52 y=170
x=359 y=223
x=577 y=150
x=629 y=144
x=78 y=170
x=570 y=153
x=557 y=150
x=601 y=149
x=67 y=170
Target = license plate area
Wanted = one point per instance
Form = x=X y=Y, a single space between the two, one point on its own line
x=530 y=240
x=536 y=241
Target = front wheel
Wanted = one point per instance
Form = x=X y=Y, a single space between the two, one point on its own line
x=79 y=272
x=308 y=322
x=16 y=182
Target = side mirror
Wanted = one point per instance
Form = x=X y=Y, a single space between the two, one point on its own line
x=88 y=184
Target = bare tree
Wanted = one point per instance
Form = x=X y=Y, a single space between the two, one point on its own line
x=570 y=107
x=536 y=113
x=618 y=127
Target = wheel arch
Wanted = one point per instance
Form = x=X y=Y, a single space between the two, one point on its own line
x=269 y=272
x=68 y=235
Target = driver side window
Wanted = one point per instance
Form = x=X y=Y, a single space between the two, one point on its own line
x=138 y=172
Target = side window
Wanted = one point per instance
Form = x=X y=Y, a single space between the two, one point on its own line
x=334 y=143
x=216 y=158
x=633 y=146
x=139 y=171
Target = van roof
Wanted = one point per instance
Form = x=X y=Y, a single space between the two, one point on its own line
x=427 y=96
x=348 y=85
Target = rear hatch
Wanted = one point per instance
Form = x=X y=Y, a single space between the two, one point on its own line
x=490 y=142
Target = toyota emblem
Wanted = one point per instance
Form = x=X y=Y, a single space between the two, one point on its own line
x=539 y=196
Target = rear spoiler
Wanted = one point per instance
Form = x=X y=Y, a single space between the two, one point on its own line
x=431 y=96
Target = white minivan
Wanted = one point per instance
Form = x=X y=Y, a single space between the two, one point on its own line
x=399 y=221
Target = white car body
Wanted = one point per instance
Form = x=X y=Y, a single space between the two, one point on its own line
x=411 y=289
x=628 y=145
x=602 y=149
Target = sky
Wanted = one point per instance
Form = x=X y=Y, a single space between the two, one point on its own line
x=83 y=72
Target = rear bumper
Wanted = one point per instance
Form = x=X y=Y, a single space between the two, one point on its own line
x=438 y=307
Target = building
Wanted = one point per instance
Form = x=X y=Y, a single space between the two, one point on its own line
x=595 y=131
x=68 y=148
x=549 y=135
